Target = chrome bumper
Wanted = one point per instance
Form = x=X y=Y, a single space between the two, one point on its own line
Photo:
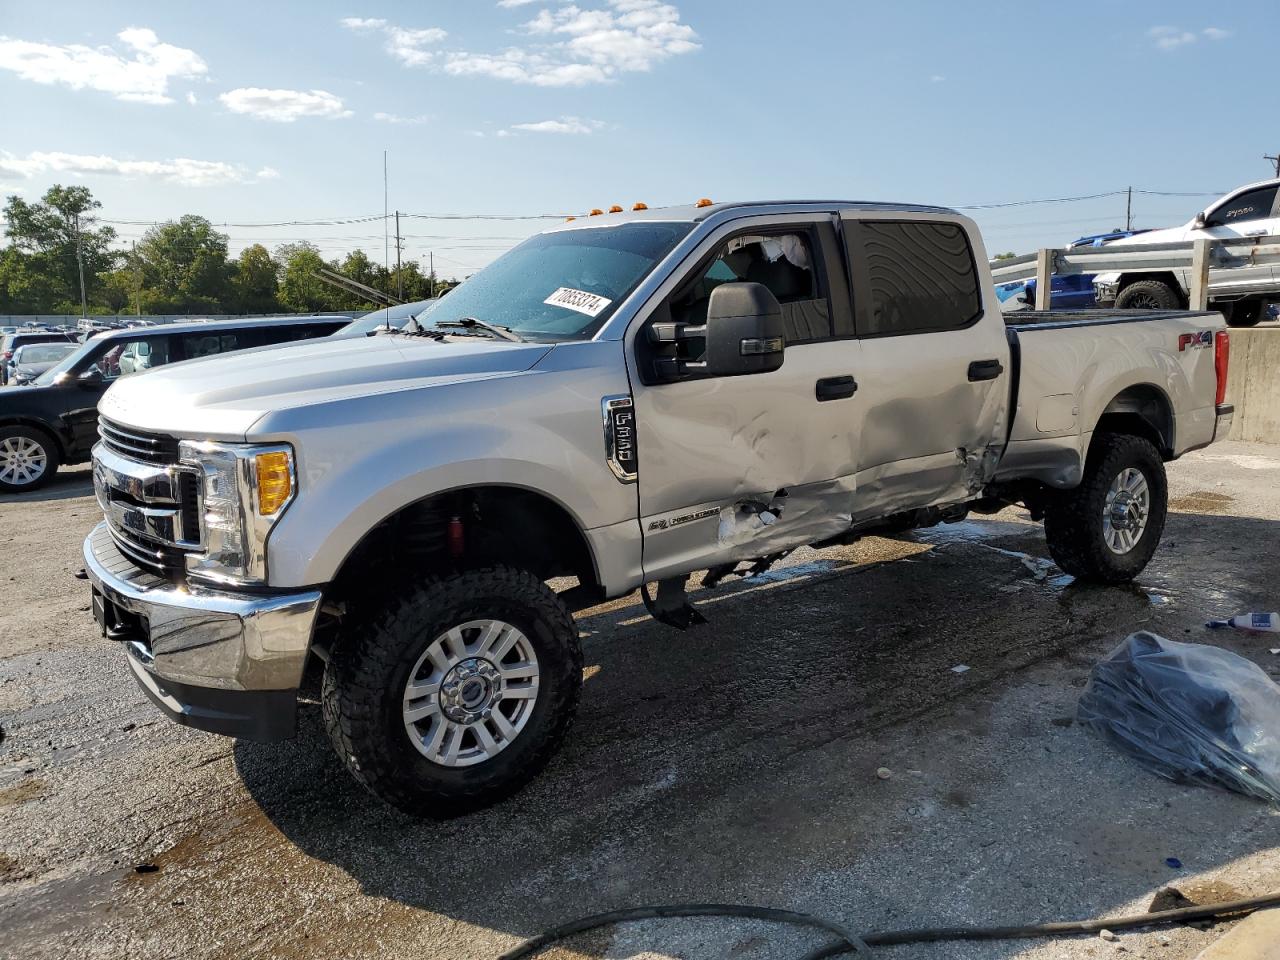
x=209 y=658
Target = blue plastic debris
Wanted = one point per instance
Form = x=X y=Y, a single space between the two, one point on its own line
x=1173 y=862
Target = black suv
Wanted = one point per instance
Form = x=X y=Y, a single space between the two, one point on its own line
x=55 y=420
x=12 y=341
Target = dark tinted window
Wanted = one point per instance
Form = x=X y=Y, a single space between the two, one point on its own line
x=1254 y=205
x=914 y=277
x=195 y=345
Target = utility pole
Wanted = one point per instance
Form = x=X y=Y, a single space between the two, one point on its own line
x=386 y=248
x=137 y=278
x=432 y=274
x=84 y=308
x=1128 y=211
x=399 y=274
x=1275 y=160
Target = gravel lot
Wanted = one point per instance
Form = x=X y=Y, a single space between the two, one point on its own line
x=735 y=763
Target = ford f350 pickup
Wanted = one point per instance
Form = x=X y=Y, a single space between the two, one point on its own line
x=623 y=399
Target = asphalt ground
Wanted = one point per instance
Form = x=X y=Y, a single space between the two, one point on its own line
x=734 y=763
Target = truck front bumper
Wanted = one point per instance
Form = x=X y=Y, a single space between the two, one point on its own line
x=224 y=662
x=1225 y=413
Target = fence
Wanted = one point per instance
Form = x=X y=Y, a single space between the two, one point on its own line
x=1250 y=260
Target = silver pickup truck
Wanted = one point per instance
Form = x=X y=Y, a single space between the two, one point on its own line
x=617 y=403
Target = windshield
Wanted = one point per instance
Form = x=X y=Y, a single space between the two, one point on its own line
x=562 y=285
x=396 y=317
x=67 y=362
x=46 y=352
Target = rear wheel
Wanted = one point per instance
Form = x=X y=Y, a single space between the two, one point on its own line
x=1107 y=528
x=28 y=458
x=457 y=694
x=1149 y=295
x=1243 y=313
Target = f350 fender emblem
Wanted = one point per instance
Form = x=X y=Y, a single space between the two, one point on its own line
x=620 y=449
x=1197 y=341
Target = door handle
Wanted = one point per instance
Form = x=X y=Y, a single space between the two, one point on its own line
x=985 y=370
x=835 y=388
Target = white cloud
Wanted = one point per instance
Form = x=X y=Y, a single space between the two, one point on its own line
x=397 y=119
x=509 y=4
x=1216 y=33
x=406 y=44
x=575 y=125
x=283 y=106
x=1171 y=38
x=192 y=98
x=571 y=46
x=181 y=170
x=141 y=74
x=937 y=78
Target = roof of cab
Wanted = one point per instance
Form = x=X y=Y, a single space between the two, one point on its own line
x=692 y=213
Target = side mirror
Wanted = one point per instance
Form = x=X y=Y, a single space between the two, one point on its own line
x=1199 y=222
x=743 y=334
x=91 y=379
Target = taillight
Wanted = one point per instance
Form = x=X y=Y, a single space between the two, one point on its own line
x=1221 y=360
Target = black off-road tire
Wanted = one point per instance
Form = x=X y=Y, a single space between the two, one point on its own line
x=46 y=443
x=366 y=675
x=1073 y=519
x=1149 y=295
x=1243 y=313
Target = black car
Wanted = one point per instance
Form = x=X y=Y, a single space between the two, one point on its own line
x=20 y=338
x=55 y=420
x=32 y=359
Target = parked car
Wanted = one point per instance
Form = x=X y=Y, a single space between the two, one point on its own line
x=55 y=420
x=622 y=400
x=1073 y=291
x=33 y=359
x=1240 y=294
x=22 y=337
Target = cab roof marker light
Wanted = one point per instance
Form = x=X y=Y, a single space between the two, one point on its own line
x=704 y=202
x=570 y=219
x=640 y=206
x=595 y=212
x=615 y=209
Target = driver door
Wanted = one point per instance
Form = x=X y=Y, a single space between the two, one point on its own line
x=739 y=467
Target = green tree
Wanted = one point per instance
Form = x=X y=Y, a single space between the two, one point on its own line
x=44 y=269
x=1005 y=256
x=255 y=281
x=301 y=288
x=184 y=267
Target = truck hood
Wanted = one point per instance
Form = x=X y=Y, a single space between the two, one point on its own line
x=222 y=397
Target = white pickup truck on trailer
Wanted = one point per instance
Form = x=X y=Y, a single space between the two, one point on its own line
x=623 y=399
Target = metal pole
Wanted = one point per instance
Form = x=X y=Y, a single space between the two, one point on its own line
x=399 y=274
x=1128 y=211
x=1200 y=275
x=84 y=308
x=1044 y=277
x=432 y=255
x=386 y=244
x=137 y=278
x=1275 y=160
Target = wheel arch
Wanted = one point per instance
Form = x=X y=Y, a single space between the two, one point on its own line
x=1144 y=410
x=20 y=420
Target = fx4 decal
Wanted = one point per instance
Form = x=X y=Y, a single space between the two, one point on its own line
x=1197 y=341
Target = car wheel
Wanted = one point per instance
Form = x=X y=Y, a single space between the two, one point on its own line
x=1149 y=295
x=457 y=694
x=1107 y=528
x=1244 y=313
x=28 y=458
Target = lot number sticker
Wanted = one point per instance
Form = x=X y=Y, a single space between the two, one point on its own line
x=578 y=300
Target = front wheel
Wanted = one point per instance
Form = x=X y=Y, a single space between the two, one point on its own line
x=1149 y=295
x=1243 y=313
x=457 y=694
x=28 y=459
x=1107 y=528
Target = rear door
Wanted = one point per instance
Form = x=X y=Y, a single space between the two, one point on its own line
x=933 y=368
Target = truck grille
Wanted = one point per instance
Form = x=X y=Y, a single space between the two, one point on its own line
x=137 y=444
x=151 y=502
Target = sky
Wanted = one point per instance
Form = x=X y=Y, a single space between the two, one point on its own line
x=264 y=116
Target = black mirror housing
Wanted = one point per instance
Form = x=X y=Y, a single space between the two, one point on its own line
x=743 y=334
x=91 y=379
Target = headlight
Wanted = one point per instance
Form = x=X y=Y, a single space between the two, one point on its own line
x=244 y=489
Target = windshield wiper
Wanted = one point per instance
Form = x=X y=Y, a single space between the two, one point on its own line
x=412 y=328
x=495 y=330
